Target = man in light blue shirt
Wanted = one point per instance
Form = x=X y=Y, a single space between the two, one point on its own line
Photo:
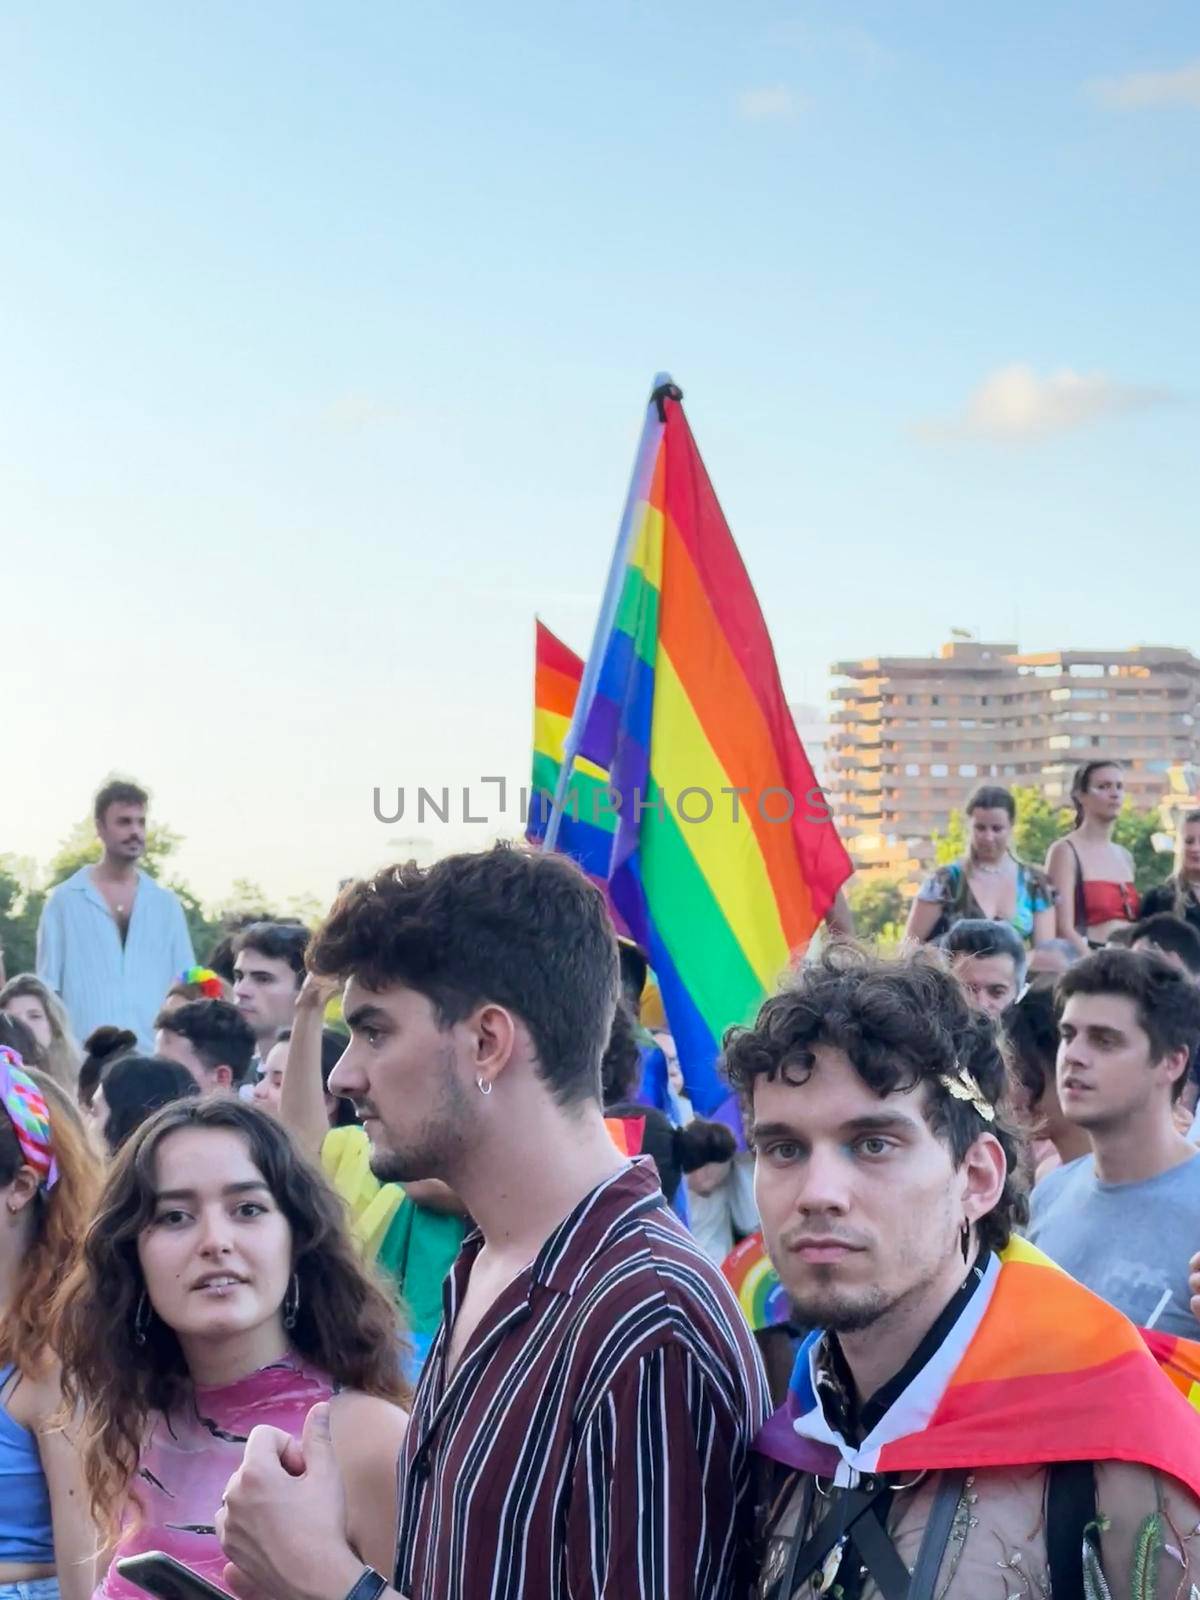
x=111 y=940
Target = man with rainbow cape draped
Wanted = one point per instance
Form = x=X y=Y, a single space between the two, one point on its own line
x=966 y=1422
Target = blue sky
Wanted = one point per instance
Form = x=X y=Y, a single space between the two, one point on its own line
x=327 y=332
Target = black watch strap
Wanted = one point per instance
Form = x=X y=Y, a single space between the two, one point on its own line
x=369 y=1587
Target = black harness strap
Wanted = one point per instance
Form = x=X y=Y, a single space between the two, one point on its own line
x=840 y=1522
x=1070 y=1512
x=855 y=1518
x=937 y=1536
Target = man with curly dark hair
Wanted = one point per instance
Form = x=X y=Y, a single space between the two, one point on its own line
x=962 y=1409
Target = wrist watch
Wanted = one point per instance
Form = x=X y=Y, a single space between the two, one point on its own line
x=369 y=1587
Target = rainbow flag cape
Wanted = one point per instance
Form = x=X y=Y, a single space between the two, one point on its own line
x=1036 y=1370
x=1179 y=1359
x=724 y=858
x=588 y=828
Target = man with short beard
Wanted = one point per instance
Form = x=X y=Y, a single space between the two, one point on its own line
x=963 y=1411
x=583 y=1423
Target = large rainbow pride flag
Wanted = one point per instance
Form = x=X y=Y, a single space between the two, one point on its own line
x=724 y=858
x=1037 y=1369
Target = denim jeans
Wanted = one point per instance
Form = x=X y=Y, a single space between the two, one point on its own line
x=31 y=1589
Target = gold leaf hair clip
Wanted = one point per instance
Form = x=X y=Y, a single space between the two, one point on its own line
x=963 y=1087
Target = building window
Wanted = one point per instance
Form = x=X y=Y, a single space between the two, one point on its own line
x=912 y=770
x=939 y=769
x=968 y=771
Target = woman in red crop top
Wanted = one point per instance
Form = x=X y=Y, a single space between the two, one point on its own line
x=1093 y=876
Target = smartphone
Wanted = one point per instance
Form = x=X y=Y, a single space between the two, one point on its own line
x=167 y=1578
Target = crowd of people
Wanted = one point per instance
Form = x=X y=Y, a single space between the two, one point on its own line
x=386 y=1258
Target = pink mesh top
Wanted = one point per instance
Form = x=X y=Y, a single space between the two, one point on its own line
x=190 y=1457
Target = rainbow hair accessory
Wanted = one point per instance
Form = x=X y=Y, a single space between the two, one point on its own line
x=30 y=1117
x=206 y=979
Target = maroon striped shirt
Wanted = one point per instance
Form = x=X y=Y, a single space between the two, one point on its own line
x=594 y=1438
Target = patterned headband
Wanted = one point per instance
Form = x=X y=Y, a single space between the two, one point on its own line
x=30 y=1116
x=206 y=979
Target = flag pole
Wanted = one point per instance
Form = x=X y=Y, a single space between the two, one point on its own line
x=639 y=483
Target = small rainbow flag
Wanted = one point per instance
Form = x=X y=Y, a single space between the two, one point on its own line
x=1037 y=1369
x=724 y=857
x=556 y=678
x=627 y=1133
x=751 y=1275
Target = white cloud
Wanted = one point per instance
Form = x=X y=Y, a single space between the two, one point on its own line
x=1015 y=403
x=868 y=53
x=353 y=411
x=768 y=105
x=1137 y=90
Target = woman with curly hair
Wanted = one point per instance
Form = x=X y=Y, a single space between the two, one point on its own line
x=48 y=1185
x=218 y=1290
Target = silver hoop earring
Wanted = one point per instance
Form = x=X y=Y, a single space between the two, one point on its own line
x=482 y=1084
x=141 y=1319
x=291 y=1303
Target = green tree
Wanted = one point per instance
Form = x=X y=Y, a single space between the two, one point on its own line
x=878 y=906
x=951 y=845
x=1136 y=830
x=20 y=907
x=245 y=899
x=1039 y=823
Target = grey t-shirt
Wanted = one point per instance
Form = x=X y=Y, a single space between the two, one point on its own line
x=1130 y=1243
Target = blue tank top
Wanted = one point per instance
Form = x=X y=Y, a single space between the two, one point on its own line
x=26 y=1532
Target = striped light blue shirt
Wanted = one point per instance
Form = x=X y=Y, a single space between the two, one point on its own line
x=80 y=954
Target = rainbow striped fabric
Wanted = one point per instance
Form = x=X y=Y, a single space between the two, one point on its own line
x=556 y=678
x=1179 y=1359
x=724 y=858
x=627 y=1133
x=752 y=1277
x=1037 y=1369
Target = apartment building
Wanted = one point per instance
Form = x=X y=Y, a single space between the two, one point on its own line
x=911 y=736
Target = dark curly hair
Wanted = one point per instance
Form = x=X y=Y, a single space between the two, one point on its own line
x=621 y=1067
x=902 y=1024
x=508 y=926
x=345 y=1325
x=1031 y=1033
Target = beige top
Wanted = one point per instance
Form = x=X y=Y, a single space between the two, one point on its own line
x=997 y=1544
